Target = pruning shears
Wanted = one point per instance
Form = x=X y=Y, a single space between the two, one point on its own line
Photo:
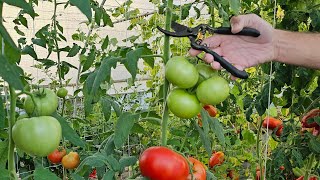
x=196 y=35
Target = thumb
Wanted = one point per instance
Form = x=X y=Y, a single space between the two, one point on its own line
x=236 y=24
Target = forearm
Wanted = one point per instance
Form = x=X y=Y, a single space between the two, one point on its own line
x=301 y=49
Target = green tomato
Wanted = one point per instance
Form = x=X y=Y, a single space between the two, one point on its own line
x=37 y=136
x=180 y=72
x=213 y=90
x=21 y=116
x=183 y=104
x=205 y=72
x=62 y=92
x=46 y=101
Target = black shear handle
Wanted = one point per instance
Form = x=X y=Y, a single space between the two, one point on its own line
x=224 y=63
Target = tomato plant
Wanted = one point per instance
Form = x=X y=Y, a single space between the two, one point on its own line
x=183 y=104
x=213 y=90
x=180 y=72
x=37 y=136
x=161 y=163
x=71 y=160
x=56 y=156
x=46 y=102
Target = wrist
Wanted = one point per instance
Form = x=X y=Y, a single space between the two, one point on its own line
x=277 y=45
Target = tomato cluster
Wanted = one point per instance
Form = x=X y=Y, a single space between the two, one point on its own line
x=162 y=163
x=210 y=89
x=68 y=161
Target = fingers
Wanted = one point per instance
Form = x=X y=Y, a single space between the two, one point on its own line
x=238 y=67
x=211 y=42
x=241 y=21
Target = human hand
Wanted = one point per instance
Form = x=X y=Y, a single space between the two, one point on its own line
x=242 y=51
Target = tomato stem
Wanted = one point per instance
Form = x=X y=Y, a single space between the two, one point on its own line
x=166 y=57
x=153 y=55
x=309 y=166
x=11 y=122
x=54 y=21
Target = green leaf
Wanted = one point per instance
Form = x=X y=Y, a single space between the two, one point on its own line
x=12 y=54
x=96 y=160
x=205 y=139
x=109 y=175
x=74 y=50
x=29 y=50
x=210 y=175
x=106 y=108
x=235 y=6
x=297 y=156
x=2 y=114
x=127 y=161
x=106 y=19
x=217 y=128
x=77 y=177
x=131 y=61
x=23 y=5
x=68 y=132
x=97 y=15
x=39 y=42
x=109 y=146
x=4 y=146
x=105 y=43
x=44 y=174
x=314 y=145
x=185 y=11
x=4 y=174
x=113 y=162
x=10 y=73
x=205 y=120
x=249 y=136
x=83 y=6
x=19 y=31
x=123 y=128
x=89 y=60
x=7 y=39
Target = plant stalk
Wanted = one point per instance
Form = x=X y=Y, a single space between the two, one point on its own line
x=54 y=19
x=11 y=122
x=309 y=166
x=166 y=57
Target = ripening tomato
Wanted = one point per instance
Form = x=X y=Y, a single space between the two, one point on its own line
x=71 y=160
x=279 y=130
x=180 y=72
x=56 y=156
x=198 y=169
x=213 y=90
x=183 y=104
x=311 y=114
x=162 y=163
x=281 y=168
x=212 y=111
x=46 y=103
x=37 y=136
x=273 y=122
x=216 y=158
x=310 y=178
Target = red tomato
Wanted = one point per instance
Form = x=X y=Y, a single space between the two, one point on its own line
x=93 y=174
x=279 y=130
x=56 y=156
x=316 y=131
x=71 y=161
x=198 y=169
x=311 y=114
x=217 y=158
x=211 y=110
x=281 y=168
x=311 y=178
x=232 y=175
x=162 y=163
x=273 y=122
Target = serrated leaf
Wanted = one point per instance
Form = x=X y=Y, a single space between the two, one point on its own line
x=296 y=155
x=249 y=136
x=131 y=61
x=39 y=42
x=77 y=177
x=314 y=145
x=106 y=108
x=105 y=43
x=235 y=6
x=217 y=129
x=23 y=5
x=4 y=146
x=123 y=128
x=44 y=174
x=12 y=54
x=74 y=50
x=106 y=19
x=113 y=163
x=83 y=6
x=96 y=160
x=97 y=15
x=127 y=161
x=109 y=146
x=205 y=139
x=68 y=132
x=29 y=50
x=10 y=73
x=109 y=175
x=7 y=38
x=205 y=120
x=210 y=175
x=89 y=60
